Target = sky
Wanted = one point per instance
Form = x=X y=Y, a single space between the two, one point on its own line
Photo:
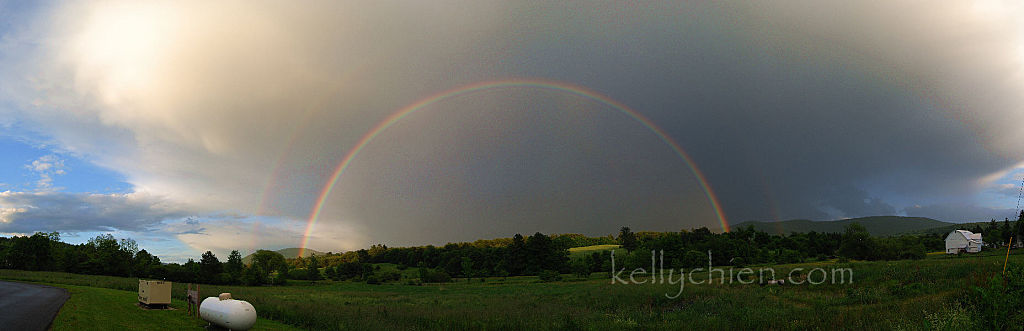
x=192 y=126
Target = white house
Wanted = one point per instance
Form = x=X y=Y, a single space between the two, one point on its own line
x=963 y=241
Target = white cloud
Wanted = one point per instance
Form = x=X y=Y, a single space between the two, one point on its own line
x=212 y=104
x=231 y=107
x=47 y=167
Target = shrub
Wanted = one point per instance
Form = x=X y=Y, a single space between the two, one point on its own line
x=428 y=275
x=280 y=279
x=642 y=258
x=298 y=274
x=949 y=317
x=348 y=270
x=581 y=269
x=225 y=278
x=389 y=276
x=998 y=304
x=549 y=276
x=789 y=256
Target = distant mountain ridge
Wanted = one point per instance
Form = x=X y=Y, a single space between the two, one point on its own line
x=956 y=226
x=289 y=253
x=876 y=225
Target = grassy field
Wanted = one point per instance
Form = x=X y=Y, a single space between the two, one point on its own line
x=577 y=253
x=908 y=294
x=95 y=308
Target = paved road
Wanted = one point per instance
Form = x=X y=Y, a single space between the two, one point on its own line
x=29 y=307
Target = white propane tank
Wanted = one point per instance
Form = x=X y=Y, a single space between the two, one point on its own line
x=228 y=313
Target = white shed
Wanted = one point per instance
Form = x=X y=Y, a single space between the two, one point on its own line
x=963 y=241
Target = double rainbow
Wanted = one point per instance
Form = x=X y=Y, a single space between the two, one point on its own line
x=477 y=87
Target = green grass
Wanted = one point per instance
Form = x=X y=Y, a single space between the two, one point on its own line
x=594 y=248
x=577 y=253
x=93 y=308
x=410 y=272
x=884 y=295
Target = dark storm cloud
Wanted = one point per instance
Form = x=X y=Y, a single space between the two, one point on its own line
x=519 y=160
x=793 y=110
x=812 y=110
x=960 y=212
x=853 y=201
x=799 y=111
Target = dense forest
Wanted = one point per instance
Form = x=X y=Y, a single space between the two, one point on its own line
x=537 y=254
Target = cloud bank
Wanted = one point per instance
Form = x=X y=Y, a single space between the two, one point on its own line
x=792 y=110
x=28 y=212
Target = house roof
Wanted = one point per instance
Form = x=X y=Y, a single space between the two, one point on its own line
x=970 y=236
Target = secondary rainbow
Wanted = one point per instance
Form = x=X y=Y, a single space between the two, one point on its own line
x=525 y=83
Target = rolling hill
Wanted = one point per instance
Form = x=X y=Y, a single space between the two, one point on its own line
x=954 y=226
x=876 y=225
x=289 y=253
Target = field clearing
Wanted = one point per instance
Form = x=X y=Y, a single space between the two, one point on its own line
x=577 y=253
x=593 y=248
x=884 y=295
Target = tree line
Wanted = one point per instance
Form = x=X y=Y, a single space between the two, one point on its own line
x=536 y=255
x=997 y=235
x=106 y=255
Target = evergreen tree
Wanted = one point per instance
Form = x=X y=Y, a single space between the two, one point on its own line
x=467 y=268
x=542 y=254
x=517 y=256
x=282 y=274
x=234 y=265
x=210 y=268
x=329 y=272
x=313 y=268
x=992 y=233
x=627 y=239
x=857 y=243
x=1019 y=231
x=1007 y=231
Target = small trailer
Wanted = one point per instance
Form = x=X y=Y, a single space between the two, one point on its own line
x=154 y=293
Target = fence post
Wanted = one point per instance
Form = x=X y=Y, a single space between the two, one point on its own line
x=1007 y=254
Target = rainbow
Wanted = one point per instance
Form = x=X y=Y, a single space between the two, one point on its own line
x=528 y=83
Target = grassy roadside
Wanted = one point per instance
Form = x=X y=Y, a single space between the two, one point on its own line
x=908 y=294
x=93 y=308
